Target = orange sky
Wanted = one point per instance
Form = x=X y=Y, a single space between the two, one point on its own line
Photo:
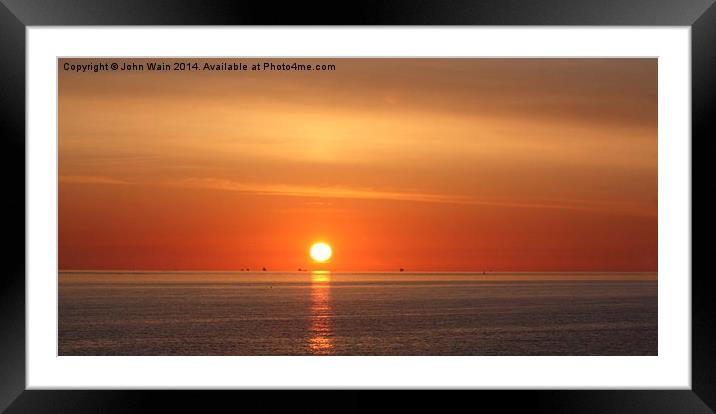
x=426 y=164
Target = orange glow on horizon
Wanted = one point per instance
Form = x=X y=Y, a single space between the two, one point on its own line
x=421 y=164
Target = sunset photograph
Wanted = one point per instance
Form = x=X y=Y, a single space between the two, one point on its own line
x=357 y=206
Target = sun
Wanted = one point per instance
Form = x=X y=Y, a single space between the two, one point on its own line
x=321 y=252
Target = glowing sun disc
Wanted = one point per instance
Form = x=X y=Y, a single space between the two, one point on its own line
x=321 y=252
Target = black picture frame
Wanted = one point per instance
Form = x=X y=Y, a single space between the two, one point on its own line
x=16 y=15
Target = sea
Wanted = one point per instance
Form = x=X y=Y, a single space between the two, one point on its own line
x=340 y=313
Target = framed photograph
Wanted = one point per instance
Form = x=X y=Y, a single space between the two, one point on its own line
x=424 y=197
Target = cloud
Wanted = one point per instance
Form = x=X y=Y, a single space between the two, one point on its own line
x=90 y=179
x=373 y=194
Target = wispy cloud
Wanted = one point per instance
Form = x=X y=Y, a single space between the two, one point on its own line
x=90 y=179
x=631 y=208
x=374 y=194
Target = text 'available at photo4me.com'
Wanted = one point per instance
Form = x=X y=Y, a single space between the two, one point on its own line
x=197 y=66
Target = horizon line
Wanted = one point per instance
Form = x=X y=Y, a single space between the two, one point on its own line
x=352 y=271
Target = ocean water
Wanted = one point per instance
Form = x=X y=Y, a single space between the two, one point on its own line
x=322 y=313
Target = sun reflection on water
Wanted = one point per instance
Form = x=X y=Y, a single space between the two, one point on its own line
x=320 y=341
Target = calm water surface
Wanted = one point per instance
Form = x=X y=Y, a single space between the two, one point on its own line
x=323 y=313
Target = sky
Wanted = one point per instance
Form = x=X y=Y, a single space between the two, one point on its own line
x=422 y=164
